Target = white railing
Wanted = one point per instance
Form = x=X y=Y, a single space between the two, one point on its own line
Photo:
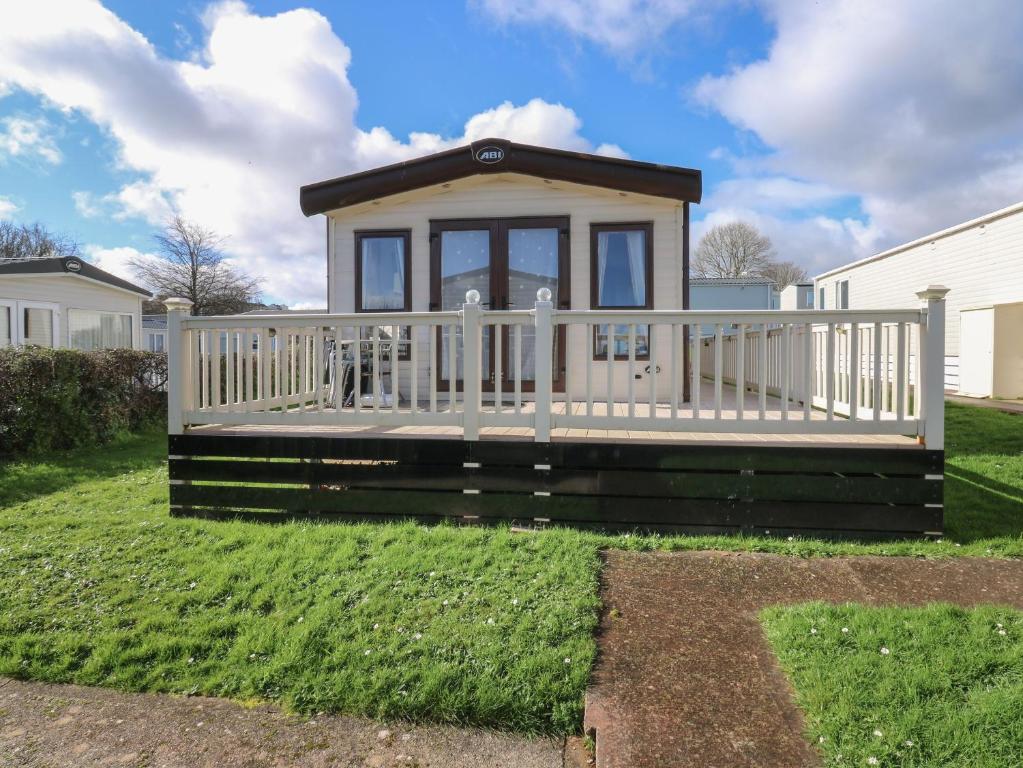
x=768 y=372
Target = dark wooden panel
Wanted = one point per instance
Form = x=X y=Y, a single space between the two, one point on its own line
x=414 y=450
x=571 y=509
x=604 y=482
x=841 y=459
x=633 y=486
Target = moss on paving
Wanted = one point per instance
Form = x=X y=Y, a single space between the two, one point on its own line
x=932 y=687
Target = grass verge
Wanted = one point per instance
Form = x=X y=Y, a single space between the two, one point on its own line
x=928 y=687
x=101 y=587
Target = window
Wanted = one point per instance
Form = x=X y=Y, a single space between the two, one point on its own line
x=842 y=294
x=37 y=328
x=89 y=329
x=154 y=342
x=621 y=277
x=6 y=325
x=809 y=298
x=821 y=297
x=383 y=278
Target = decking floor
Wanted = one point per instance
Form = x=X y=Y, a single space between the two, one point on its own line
x=729 y=403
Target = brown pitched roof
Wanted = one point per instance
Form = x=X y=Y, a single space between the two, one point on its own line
x=503 y=156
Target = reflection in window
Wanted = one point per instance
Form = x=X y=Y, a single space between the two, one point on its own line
x=620 y=341
x=6 y=333
x=38 y=327
x=464 y=265
x=621 y=263
x=621 y=269
x=382 y=269
x=98 y=330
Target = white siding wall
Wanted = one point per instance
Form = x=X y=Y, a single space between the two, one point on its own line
x=73 y=292
x=982 y=264
x=506 y=195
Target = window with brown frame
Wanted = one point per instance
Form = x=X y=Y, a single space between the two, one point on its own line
x=621 y=277
x=383 y=278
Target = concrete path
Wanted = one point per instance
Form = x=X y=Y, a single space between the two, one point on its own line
x=67 y=725
x=1007 y=406
x=685 y=676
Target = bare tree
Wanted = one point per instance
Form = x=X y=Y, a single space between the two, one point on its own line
x=192 y=266
x=26 y=241
x=785 y=273
x=736 y=249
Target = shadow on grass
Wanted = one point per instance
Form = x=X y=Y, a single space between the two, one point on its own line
x=27 y=477
x=979 y=507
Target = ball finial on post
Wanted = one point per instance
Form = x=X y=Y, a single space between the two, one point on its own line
x=544 y=294
x=472 y=296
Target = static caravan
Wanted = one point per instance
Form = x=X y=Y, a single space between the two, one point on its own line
x=67 y=302
x=509 y=338
x=796 y=296
x=732 y=293
x=154 y=332
x=981 y=261
x=506 y=220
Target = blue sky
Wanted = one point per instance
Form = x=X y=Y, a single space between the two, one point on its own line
x=834 y=129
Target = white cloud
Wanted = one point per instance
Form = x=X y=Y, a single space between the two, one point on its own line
x=86 y=204
x=815 y=242
x=911 y=106
x=623 y=26
x=116 y=261
x=27 y=137
x=228 y=136
x=771 y=193
x=7 y=207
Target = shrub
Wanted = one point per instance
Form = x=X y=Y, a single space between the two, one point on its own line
x=63 y=398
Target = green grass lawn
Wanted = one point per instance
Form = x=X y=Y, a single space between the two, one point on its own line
x=99 y=586
x=933 y=687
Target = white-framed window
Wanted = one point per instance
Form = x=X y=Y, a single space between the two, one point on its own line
x=8 y=322
x=155 y=341
x=29 y=323
x=821 y=292
x=90 y=329
x=842 y=294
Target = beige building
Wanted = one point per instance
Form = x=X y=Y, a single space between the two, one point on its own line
x=507 y=219
x=66 y=302
x=981 y=261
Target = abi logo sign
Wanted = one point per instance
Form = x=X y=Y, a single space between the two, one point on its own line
x=490 y=154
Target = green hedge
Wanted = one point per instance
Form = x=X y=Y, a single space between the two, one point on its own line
x=63 y=398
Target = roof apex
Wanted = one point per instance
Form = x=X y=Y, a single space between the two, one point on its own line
x=494 y=155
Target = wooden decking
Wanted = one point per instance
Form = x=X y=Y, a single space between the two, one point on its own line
x=728 y=413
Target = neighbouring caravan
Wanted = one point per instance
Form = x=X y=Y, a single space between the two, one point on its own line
x=981 y=261
x=732 y=293
x=796 y=296
x=67 y=302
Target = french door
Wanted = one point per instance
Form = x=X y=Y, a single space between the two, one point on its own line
x=507 y=261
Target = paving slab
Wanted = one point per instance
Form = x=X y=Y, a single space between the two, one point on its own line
x=684 y=675
x=44 y=725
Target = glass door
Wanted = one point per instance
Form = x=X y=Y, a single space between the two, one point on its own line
x=534 y=261
x=461 y=261
x=507 y=261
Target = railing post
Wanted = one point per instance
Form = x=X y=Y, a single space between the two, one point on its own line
x=472 y=370
x=178 y=364
x=544 y=364
x=932 y=370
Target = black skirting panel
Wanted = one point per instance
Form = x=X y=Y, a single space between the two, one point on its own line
x=841 y=490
